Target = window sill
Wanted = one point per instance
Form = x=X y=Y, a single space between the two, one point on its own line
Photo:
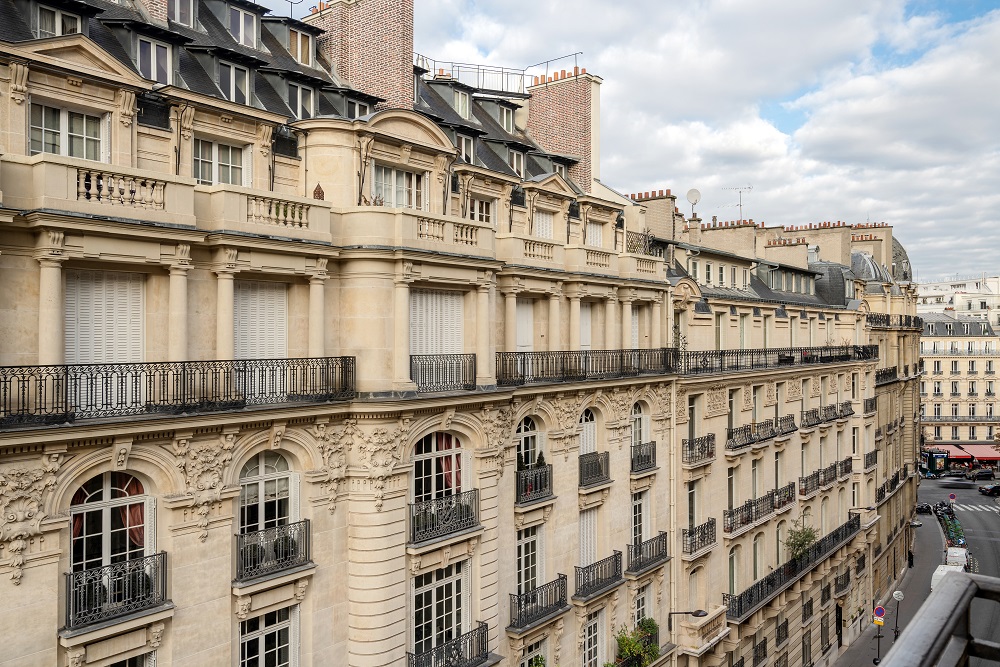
x=273 y=580
x=117 y=626
x=419 y=548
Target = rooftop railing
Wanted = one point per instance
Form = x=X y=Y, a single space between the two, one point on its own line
x=721 y=361
x=886 y=375
x=45 y=395
x=886 y=321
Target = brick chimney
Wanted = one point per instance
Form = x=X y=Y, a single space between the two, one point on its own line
x=369 y=43
x=157 y=10
x=564 y=116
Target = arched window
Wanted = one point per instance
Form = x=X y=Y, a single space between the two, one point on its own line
x=758 y=556
x=109 y=520
x=734 y=570
x=824 y=515
x=437 y=467
x=779 y=542
x=807 y=516
x=266 y=493
x=588 y=432
x=841 y=506
x=527 y=443
x=640 y=430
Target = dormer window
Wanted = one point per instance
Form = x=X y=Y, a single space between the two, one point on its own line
x=300 y=101
x=516 y=162
x=154 y=60
x=234 y=82
x=462 y=103
x=559 y=169
x=465 y=149
x=357 y=109
x=507 y=119
x=53 y=23
x=300 y=46
x=243 y=26
x=181 y=11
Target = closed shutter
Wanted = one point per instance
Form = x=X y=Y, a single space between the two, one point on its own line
x=585 y=326
x=588 y=437
x=260 y=320
x=588 y=537
x=294 y=515
x=594 y=234
x=149 y=525
x=525 y=325
x=103 y=317
x=435 y=322
x=543 y=224
x=635 y=328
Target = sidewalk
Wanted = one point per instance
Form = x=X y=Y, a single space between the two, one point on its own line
x=916 y=586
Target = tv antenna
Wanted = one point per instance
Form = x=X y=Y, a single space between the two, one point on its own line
x=741 y=189
x=693 y=196
x=290 y=4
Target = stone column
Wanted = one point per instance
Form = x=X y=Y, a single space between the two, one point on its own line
x=670 y=317
x=626 y=324
x=51 y=317
x=656 y=340
x=177 y=313
x=485 y=358
x=574 y=322
x=510 y=321
x=317 y=315
x=225 y=343
x=554 y=328
x=401 y=343
x=611 y=339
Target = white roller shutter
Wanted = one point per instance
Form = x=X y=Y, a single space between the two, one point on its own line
x=543 y=224
x=588 y=537
x=260 y=320
x=435 y=322
x=585 y=326
x=594 y=234
x=635 y=328
x=103 y=317
x=588 y=437
x=525 y=325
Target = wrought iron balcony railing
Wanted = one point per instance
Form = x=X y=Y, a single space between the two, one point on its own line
x=828 y=475
x=721 y=361
x=886 y=375
x=740 y=437
x=886 y=321
x=807 y=610
x=809 y=484
x=646 y=554
x=784 y=496
x=871 y=405
x=595 y=468
x=519 y=368
x=763 y=590
x=842 y=582
x=466 y=650
x=830 y=412
x=103 y=594
x=534 y=483
x=810 y=417
x=699 y=450
x=846 y=409
x=845 y=467
x=786 y=425
x=825 y=595
x=538 y=603
x=749 y=512
x=596 y=577
x=438 y=517
x=859 y=568
x=781 y=633
x=41 y=395
x=443 y=372
x=643 y=456
x=871 y=459
x=760 y=652
x=272 y=550
x=699 y=537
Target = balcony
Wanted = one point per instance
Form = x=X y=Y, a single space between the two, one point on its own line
x=846 y=410
x=809 y=485
x=596 y=578
x=698 y=451
x=740 y=437
x=886 y=375
x=764 y=590
x=829 y=413
x=871 y=459
x=786 y=425
x=941 y=632
x=781 y=633
x=807 y=610
x=643 y=457
x=784 y=496
x=591 y=260
x=827 y=475
x=530 y=251
x=45 y=395
x=534 y=484
x=271 y=551
x=698 y=538
x=845 y=467
x=443 y=372
x=414 y=229
x=440 y=517
x=538 y=604
x=886 y=321
x=232 y=208
x=859 y=568
x=811 y=418
x=521 y=368
x=467 y=650
x=760 y=653
x=112 y=592
x=870 y=405
x=595 y=468
x=842 y=583
x=825 y=595
x=724 y=361
x=647 y=555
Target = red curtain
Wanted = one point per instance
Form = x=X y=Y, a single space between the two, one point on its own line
x=451 y=464
x=78 y=498
x=133 y=515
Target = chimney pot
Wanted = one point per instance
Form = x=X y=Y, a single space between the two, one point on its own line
x=576 y=71
x=668 y=192
x=583 y=70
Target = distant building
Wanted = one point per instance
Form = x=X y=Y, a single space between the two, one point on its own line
x=977 y=297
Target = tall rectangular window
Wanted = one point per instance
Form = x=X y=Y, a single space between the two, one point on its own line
x=507 y=119
x=154 y=60
x=300 y=46
x=462 y=103
x=217 y=163
x=639 y=510
x=397 y=188
x=180 y=11
x=692 y=494
x=64 y=132
x=466 y=149
x=593 y=640
x=731 y=487
x=266 y=640
x=528 y=559
x=439 y=607
x=234 y=82
x=641 y=603
x=300 y=101
x=481 y=210
x=243 y=26
x=543 y=224
x=533 y=654
x=516 y=162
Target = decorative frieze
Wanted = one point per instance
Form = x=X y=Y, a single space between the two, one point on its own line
x=203 y=464
x=24 y=490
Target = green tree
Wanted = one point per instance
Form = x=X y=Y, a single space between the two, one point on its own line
x=801 y=536
x=637 y=647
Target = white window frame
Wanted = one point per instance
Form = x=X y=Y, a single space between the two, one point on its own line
x=295 y=101
x=156 y=51
x=481 y=210
x=466 y=148
x=64 y=134
x=640 y=517
x=175 y=11
x=299 y=55
x=559 y=169
x=441 y=455
x=357 y=109
x=291 y=623
x=218 y=149
x=515 y=159
x=242 y=37
x=230 y=91
x=463 y=599
x=507 y=119
x=462 y=103
x=641 y=608
x=59 y=15
x=530 y=558
x=543 y=227
x=534 y=654
x=593 y=640
x=594 y=234
x=275 y=481
x=414 y=194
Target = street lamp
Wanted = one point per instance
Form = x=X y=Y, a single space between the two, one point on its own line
x=697 y=613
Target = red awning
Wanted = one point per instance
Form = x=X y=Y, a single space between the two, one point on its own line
x=980 y=451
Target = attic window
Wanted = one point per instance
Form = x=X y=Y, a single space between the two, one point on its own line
x=559 y=169
x=181 y=11
x=462 y=103
x=53 y=23
x=234 y=82
x=356 y=109
x=243 y=26
x=507 y=119
x=300 y=46
x=465 y=148
x=154 y=60
x=516 y=162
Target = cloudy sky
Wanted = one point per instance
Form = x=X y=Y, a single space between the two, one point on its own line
x=855 y=110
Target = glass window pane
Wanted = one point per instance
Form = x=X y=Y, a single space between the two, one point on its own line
x=161 y=64
x=306 y=104
x=70 y=24
x=46 y=22
x=226 y=80
x=234 y=22
x=240 y=76
x=293 y=44
x=248 y=30
x=145 y=59
x=306 y=51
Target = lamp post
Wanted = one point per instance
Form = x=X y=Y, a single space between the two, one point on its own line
x=697 y=613
x=898 y=597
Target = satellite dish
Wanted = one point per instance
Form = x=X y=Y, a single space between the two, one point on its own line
x=693 y=196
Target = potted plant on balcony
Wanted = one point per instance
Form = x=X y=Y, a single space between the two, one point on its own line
x=801 y=536
x=639 y=647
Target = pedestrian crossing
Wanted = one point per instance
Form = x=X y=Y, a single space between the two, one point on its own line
x=977 y=508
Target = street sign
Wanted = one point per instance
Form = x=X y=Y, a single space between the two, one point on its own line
x=879 y=622
x=951 y=497
x=898 y=596
x=879 y=612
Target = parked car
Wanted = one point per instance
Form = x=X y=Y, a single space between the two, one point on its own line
x=992 y=490
x=980 y=473
x=923 y=508
x=953 y=473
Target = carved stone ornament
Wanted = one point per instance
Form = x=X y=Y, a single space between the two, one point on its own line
x=567 y=409
x=716 y=401
x=126 y=106
x=747 y=397
x=24 y=488
x=334 y=442
x=662 y=409
x=794 y=389
x=77 y=656
x=187 y=120
x=203 y=463
x=381 y=450
x=614 y=609
x=18 y=81
x=243 y=606
x=771 y=394
x=277 y=435
x=300 y=589
x=264 y=133
x=414 y=565
x=680 y=413
x=659 y=587
x=560 y=626
x=156 y=635
x=497 y=426
x=814 y=388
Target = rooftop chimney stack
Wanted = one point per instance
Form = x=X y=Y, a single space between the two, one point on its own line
x=369 y=44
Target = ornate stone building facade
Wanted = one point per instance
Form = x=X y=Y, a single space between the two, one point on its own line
x=294 y=375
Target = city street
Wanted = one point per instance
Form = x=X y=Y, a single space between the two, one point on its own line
x=980 y=518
